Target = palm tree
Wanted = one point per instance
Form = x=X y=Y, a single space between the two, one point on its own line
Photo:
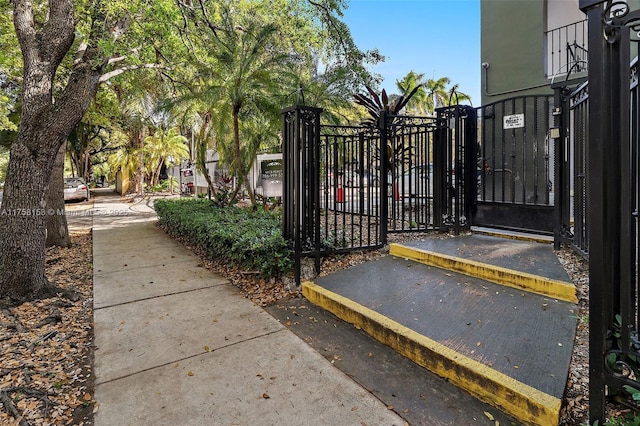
x=437 y=94
x=126 y=160
x=250 y=73
x=164 y=147
x=135 y=121
x=440 y=96
x=417 y=105
x=456 y=96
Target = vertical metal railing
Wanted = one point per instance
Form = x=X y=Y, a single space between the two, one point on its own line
x=350 y=188
x=579 y=119
x=346 y=188
x=515 y=166
x=612 y=197
x=516 y=158
x=566 y=49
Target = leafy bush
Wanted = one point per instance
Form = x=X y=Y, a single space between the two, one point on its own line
x=249 y=239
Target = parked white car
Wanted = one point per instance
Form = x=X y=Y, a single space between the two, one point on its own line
x=76 y=189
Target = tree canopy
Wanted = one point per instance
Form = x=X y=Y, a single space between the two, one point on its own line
x=237 y=60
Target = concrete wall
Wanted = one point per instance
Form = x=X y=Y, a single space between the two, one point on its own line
x=512 y=47
x=513 y=44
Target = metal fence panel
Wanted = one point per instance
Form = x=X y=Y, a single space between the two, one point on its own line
x=346 y=188
x=515 y=165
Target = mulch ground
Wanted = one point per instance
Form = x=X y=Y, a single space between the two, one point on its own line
x=46 y=353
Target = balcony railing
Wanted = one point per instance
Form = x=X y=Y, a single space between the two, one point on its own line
x=566 y=50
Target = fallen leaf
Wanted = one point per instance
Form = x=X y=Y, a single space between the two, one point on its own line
x=206 y=348
x=190 y=373
x=489 y=415
x=87 y=396
x=265 y=396
x=354 y=408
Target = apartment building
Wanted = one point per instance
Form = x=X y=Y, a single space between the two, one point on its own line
x=528 y=44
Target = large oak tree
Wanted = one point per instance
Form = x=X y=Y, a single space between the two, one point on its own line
x=46 y=32
x=69 y=47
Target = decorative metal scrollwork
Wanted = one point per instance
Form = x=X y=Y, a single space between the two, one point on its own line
x=622 y=361
x=307 y=115
x=617 y=14
x=620 y=366
x=580 y=95
x=402 y=121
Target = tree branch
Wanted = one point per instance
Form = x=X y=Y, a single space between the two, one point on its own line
x=25 y=27
x=11 y=408
x=114 y=73
x=332 y=23
x=121 y=58
x=58 y=32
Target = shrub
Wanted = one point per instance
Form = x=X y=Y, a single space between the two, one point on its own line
x=248 y=239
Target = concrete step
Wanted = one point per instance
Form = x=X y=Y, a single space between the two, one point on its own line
x=506 y=346
x=475 y=260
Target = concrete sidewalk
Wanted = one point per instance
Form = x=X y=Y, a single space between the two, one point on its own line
x=179 y=345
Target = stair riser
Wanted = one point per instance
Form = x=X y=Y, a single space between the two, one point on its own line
x=552 y=288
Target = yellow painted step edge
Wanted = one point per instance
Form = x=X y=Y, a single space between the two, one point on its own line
x=527 y=404
x=521 y=280
x=518 y=237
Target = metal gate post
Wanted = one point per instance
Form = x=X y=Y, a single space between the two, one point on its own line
x=608 y=138
x=384 y=176
x=301 y=183
x=440 y=167
x=562 y=172
x=470 y=162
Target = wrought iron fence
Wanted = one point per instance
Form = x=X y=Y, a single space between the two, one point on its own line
x=566 y=49
x=576 y=219
x=611 y=174
x=346 y=188
x=350 y=188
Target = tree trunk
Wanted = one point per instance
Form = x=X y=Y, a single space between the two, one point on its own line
x=201 y=153
x=139 y=143
x=22 y=259
x=44 y=127
x=237 y=153
x=247 y=185
x=56 y=220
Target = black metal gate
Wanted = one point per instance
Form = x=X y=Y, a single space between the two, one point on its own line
x=516 y=165
x=347 y=188
x=607 y=119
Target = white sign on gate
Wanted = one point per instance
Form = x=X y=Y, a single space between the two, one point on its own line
x=514 y=121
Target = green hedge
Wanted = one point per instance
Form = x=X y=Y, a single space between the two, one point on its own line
x=248 y=239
